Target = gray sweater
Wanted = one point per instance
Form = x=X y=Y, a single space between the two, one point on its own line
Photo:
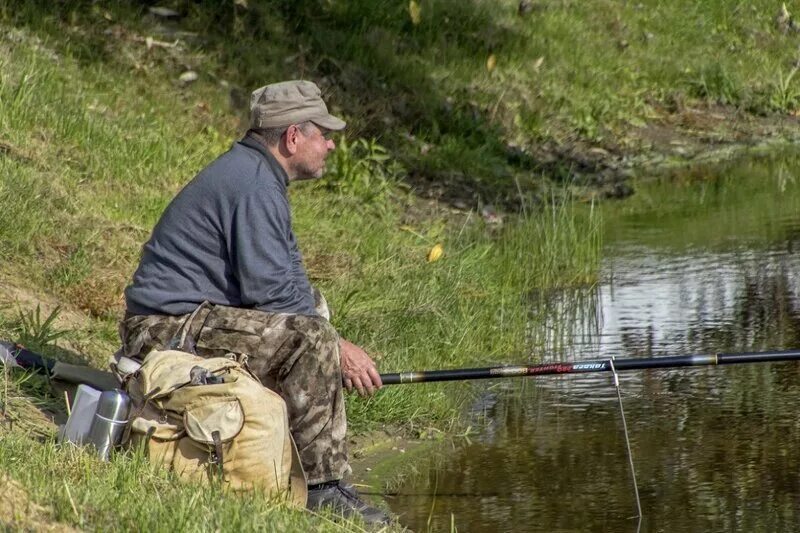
x=226 y=238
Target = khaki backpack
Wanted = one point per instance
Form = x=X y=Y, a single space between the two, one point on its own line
x=210 y=418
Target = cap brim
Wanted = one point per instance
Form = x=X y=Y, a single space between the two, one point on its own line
x=329 y=122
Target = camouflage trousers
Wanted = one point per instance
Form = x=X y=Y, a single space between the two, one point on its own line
x=295 y=355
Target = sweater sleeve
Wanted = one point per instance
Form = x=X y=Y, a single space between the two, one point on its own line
x=261 y=255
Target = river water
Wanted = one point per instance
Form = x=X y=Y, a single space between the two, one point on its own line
x=700 y=262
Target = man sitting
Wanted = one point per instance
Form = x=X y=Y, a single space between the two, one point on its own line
x=227 y=239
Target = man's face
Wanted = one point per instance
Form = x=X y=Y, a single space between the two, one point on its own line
x=308 y=162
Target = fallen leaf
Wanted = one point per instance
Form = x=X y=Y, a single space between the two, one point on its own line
x=415 y=12
x=491 y=62
x=435 y=253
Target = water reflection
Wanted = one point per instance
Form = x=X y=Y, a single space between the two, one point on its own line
x=715 y=448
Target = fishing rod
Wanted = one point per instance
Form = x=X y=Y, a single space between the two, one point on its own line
x=16 y=355
x=583 y=367
x=12 y=354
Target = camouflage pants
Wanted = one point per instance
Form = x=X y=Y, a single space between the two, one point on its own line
x=295 y=355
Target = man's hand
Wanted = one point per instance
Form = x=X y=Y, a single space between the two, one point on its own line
x=358 y=370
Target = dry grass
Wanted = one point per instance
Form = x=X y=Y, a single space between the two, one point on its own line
x=20 y=513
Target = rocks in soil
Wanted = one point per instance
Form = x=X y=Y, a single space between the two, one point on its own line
x=784 y=22
x=188 y=77
x=164 y=12
x=491 y=216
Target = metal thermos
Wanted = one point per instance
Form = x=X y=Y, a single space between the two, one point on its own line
x=109 y=421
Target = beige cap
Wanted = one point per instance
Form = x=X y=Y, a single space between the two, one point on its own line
x=290 y=102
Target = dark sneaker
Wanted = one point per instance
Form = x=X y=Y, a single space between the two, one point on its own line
x=342 y=499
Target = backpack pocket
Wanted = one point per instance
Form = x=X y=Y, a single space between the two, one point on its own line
x=223 y=416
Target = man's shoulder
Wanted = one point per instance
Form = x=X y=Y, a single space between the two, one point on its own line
x=239 y=170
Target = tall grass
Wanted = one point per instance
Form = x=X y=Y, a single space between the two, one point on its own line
x=470 y=306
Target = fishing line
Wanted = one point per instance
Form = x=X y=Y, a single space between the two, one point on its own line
x=627 y=442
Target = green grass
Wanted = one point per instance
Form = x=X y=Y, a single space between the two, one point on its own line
x=92 y=150
x=129 y=494
x=568 y=72
x=97 y=135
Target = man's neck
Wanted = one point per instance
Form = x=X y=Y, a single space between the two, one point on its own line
x=275 y=151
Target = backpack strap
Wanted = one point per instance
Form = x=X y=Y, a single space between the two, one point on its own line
x=183 y=340
x=216 y=455
x=137 y=412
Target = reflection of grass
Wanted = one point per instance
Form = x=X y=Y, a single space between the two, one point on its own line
x=756 y=198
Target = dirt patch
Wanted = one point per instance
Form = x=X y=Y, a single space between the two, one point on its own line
x=80 y=346
x=7 y=149
x=20 y=513
x=15 y=296
x=382 y=460
x=672 y=138
x=328 y=266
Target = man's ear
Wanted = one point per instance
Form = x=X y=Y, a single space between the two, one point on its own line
x=291 y=138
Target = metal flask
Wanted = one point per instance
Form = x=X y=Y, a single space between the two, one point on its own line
x=109 y=421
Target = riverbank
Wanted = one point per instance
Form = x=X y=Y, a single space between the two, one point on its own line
x=688 y=137
x=701 y=261
x=108 y=109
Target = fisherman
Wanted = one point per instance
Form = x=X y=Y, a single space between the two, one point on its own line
x=226 y=239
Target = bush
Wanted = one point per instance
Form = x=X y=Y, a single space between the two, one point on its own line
x=362 y=169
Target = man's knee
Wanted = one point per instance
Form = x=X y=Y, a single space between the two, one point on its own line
x=319 y=332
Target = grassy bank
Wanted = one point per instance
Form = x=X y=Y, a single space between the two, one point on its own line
x=473 y=97
x=90 y=154
x=87 y=170
x=75 y=489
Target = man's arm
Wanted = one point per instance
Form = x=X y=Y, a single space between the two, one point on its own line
x=261 y=255
x=358 y=369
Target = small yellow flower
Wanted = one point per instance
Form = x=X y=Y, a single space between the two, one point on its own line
x=435 y=253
